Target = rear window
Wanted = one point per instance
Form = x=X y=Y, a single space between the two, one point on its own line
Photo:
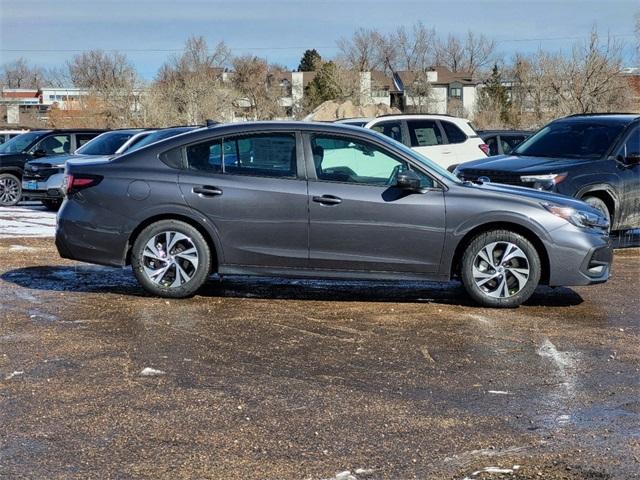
x=571 y=140
x=424 y=133
x=454 y=134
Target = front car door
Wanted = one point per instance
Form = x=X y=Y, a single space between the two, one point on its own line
x=359 y=221
x=629 y=202
x=252 y=189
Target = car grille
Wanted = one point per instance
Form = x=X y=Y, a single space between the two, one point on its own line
x=40 y=172
x=496 y=176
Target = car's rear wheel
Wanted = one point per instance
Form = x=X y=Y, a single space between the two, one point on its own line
x=599 y=204
x=500 y=268
x=10 y=190
x=171 y=259
x=53 y=205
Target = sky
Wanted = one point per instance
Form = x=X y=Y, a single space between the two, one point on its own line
x=49 y=32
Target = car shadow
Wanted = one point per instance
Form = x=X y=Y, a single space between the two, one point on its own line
x=96 y=279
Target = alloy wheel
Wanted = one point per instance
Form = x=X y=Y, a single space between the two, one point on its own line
x=170 y=259
x=501 y=269
x=9 y=190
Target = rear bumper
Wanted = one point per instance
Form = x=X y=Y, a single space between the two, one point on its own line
x=579 y=257
x=81 y=235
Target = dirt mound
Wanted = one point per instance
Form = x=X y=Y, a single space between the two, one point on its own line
x=332 y=110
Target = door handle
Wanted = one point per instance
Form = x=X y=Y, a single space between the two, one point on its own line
x=327 y=200
x=207 y=191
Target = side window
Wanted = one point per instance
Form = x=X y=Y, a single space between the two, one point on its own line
x=512 y=142
x=205 y=157
x=424 y=133
x=83 y=138
x=55 y=144
x=339 y=159
x=266 y=155
x=493 y=145
x=632 y=145
x=454 y=134
x=390 y=129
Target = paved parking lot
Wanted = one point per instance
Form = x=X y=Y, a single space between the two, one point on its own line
x=263 y=378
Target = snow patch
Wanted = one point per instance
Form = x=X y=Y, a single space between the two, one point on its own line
x=150 y=372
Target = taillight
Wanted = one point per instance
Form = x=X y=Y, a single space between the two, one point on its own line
x=485 y=148
x=77 y=182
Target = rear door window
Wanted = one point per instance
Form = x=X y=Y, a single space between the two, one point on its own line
x=454 y=134
x=424 y=133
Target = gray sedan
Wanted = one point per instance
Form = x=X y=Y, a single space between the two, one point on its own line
x=302 y=199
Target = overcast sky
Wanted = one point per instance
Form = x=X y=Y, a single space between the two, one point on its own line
x=50 y=31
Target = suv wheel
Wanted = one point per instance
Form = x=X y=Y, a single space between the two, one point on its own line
x=500 y=269
x=10 y=190
x=53 y=205
x=598 y=204
x=171 y=259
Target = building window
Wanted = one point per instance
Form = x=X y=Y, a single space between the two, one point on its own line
x=455 y=92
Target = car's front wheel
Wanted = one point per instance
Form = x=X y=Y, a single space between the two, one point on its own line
x=171 y=259
x=10 y=190
x=500 y=268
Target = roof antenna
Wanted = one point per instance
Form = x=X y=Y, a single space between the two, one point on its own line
x=211 y=123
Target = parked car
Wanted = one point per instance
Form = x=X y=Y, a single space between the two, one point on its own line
x=42 y=178
x=502 y=142
x=320 y=200
x=445 y=140
x=6 y=135
x=158 y=135
x=28 y=146
x=591 y=157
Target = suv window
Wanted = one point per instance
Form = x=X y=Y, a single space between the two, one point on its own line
x=492 y=142
x=509 y=142
x=266 y=155
x=454 y=134
x=54 y=144
x=338 y=159
x=424 y=133
x=82 y=138
x=392 y=129
x=632 y=145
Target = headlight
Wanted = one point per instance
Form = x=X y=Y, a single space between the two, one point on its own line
x=579 y=218
x=544 y=182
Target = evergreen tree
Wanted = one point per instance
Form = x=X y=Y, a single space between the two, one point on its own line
x=310 y=61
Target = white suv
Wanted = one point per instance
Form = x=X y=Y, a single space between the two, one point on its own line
x=446 y=140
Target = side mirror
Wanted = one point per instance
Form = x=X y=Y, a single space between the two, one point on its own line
x=632 y=159
x=408 y=180
x=39 y=153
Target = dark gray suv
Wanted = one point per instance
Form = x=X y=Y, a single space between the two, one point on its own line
x=304 y=199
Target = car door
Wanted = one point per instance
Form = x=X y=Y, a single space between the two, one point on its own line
x=427 y=138
x=55 y=144
x=629 y=174
x=251 y=189
x=358 y=220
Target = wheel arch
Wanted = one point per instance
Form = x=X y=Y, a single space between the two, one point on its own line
x=502 y=225
x=209 y=236
x=605 y=193
x=15 y=171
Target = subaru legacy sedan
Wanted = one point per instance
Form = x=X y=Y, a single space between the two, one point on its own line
x=299 y=199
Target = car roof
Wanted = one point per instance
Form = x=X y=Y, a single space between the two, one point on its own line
x=503 y=132
x=612 y=118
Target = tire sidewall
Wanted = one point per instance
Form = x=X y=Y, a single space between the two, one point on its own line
x=204 y=259
x=598 y=204
x=472 y=250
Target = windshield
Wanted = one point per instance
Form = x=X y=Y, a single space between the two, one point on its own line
x=430 y=164
x=105 y=144
x=571 y=140
x=157 y=136
x=20 y=143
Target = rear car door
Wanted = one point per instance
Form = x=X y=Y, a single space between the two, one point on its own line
x=251 y=188
x=427 y=138
x=358 y=220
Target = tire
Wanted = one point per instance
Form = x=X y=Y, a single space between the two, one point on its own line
x=598 y=204
x=10 y=190
x=501 y=284
x=53 y=205
x=184 y=274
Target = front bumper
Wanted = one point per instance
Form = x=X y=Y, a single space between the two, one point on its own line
x=578 y=257
x=47 y=189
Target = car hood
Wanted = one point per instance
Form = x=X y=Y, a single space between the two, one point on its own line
x=12 y=156
x=523 y=164
x=531 y=195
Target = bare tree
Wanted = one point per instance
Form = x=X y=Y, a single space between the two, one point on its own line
x=19 y=74
x=473 y=54
x=450 y=53
x=361 y=51
x=414 y=50
x=189 y=88
x=260 y=86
